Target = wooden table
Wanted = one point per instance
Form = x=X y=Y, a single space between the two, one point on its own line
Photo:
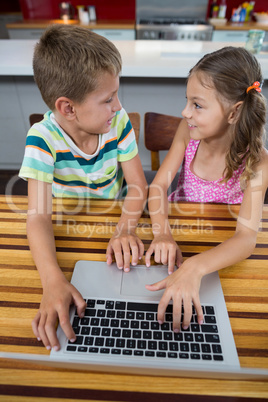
x=82 y=231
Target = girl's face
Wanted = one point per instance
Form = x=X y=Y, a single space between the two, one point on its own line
x=95 y=114
x=207 y=118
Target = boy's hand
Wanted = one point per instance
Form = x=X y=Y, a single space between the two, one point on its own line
x=166 y=251
x=122 y=247
x=183 y=288
x=55 y=304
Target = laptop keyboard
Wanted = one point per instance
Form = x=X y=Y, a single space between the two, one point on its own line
x=112 y=327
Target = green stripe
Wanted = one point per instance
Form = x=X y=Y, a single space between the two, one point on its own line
x=36 y=174
x=35 y=164
x=130 y=155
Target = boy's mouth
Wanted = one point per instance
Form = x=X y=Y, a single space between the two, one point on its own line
x=110 y=120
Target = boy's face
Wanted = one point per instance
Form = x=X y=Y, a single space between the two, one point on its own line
x=95 y=114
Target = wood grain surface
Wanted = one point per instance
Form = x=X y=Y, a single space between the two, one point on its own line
x=82 y=231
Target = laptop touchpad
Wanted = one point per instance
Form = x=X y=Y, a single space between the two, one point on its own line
x=133 y=282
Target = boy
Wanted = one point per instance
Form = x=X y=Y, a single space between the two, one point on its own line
x=82 y=148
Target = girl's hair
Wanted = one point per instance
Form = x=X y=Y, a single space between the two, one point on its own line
x=69 y=60
x=231 y=71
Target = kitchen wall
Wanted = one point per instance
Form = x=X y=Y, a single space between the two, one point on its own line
x=106 y=9
x=10 y=6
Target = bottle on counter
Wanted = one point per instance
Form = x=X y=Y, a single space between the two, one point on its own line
x=92 y=13
x=83 y=15
x=215 y=12
x=80 y=10
x=211 y=12
x=222 y=9
x=243 y=14
x=251 y=10
x=235 y=15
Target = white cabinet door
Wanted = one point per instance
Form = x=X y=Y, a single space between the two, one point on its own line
x=230 y=36
x=25 y=33
x=111 y=34
x=116 y=34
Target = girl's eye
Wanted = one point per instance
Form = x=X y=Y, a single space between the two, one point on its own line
x=109 y=100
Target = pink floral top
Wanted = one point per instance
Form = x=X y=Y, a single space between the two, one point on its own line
x=193 y=188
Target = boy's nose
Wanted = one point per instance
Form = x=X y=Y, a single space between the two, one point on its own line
x=117 y=105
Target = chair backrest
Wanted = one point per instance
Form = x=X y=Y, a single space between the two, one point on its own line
x=35 y=118
x=135 y=120
x=134 y=117
x=159 y=131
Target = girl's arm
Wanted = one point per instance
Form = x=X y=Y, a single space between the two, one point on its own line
x=58 y=293
x=183 y=285
x=165 y=249
x=124 y=241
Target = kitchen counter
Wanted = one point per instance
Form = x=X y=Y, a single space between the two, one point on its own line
x=126 y=24
x=101 y=24
x=170 y=59
x=240 y=26
x=153 y=79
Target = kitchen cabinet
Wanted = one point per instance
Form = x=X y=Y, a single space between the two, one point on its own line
x=230 y=36
x=7 y=19
x=236 y=32
x=25 y=33
x=116 y=34
x=113 y=30
x=35 y=33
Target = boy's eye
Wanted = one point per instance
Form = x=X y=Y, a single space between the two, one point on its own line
x=197 y=106
x=109 y=100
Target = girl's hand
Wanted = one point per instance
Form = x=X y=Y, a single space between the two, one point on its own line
x=55 y=304
x=122 y=246
x=166 y=251
x=183 y=288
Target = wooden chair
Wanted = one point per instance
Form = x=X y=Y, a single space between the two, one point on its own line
x=35 y=118
x=134 y=117
x=135 y=120
x=159 y=131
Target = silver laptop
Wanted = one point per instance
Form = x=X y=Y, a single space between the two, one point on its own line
x=120 y=331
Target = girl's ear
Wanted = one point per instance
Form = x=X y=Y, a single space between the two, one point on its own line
x=234 y=113
x=64 y=106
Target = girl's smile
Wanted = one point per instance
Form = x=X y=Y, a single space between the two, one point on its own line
x=191 y=126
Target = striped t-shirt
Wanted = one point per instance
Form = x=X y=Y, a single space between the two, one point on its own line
x=51 y=156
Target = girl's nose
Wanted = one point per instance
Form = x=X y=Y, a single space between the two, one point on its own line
x=186 y=112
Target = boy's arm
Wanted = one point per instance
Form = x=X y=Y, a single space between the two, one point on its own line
x=58 y=293
x=183 y=285
x=165 y=249
x=124 y=241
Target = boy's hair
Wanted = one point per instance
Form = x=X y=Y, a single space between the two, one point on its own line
x=231 y=71
x=68 y=61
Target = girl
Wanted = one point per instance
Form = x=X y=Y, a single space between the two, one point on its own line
x=220 y=145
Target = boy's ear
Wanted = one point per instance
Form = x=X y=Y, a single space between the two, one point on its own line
x=234 y=113
x=64 y=106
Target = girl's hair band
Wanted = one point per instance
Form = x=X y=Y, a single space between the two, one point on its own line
x=255 y=86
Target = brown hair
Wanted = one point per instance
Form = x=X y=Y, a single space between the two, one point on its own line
x=231 y=71
x=68 y=61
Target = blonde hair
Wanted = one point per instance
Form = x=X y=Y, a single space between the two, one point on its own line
x=69 y=60
x=231 y=71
